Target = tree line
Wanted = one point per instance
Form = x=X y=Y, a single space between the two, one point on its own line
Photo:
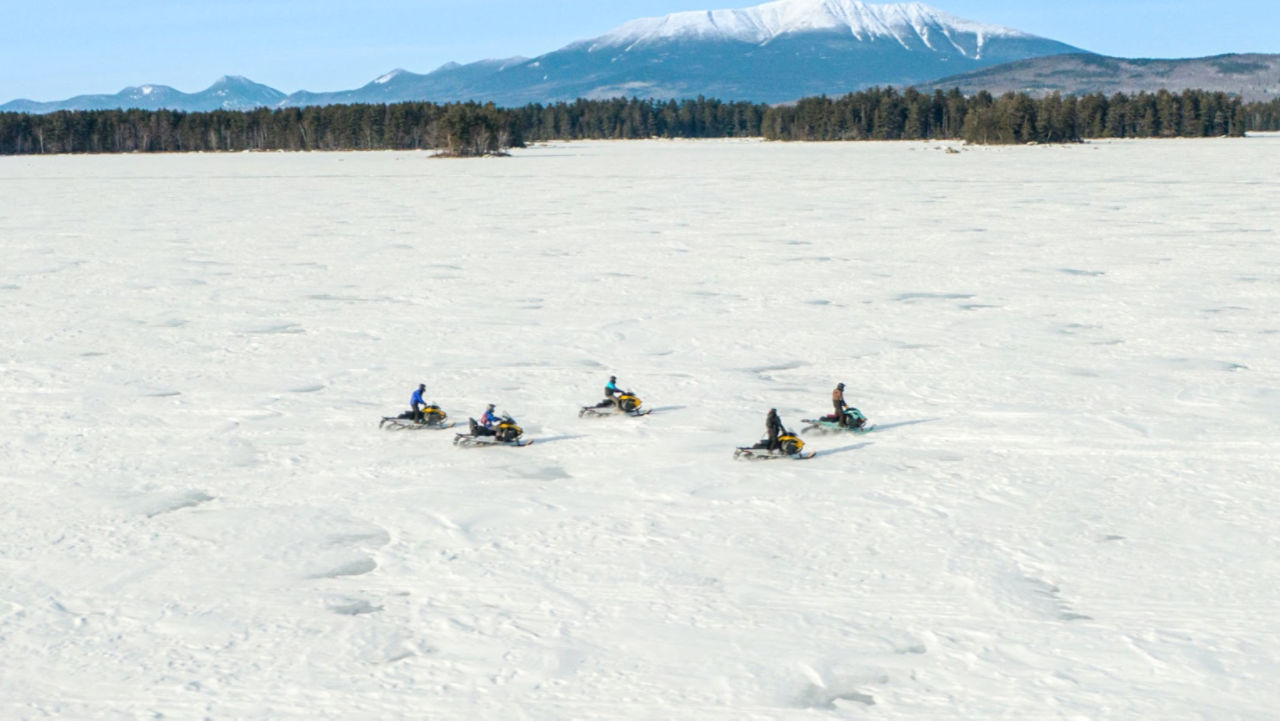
x=476 y=129
x=885 y=114
x=1263 y=116
x=457 y=128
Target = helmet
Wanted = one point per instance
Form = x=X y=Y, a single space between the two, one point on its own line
x=422 y=386
x=491 y=406
x=840 y=386
x=613 y=378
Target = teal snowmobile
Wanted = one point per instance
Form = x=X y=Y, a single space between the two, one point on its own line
x=855 y=422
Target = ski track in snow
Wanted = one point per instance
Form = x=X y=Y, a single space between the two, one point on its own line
x=1067 y=510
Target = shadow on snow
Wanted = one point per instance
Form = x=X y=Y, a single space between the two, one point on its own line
x=842 y=449
x=886 y=426
x=554 y=439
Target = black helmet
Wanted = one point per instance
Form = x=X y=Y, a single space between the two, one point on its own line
x=491 y=406
x=840 y=386
x=613 y=378
x=422 y=386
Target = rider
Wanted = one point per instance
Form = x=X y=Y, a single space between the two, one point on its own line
x=846 y=415
x=415 y=401
x=488 y=421
x=773 y=425
x=610 y=389
x=837 y=400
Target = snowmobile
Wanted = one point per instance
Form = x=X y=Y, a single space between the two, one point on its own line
x=507 y=433
x=627 y=404
x=855 y=422
x=433 y=418
x=789 y=446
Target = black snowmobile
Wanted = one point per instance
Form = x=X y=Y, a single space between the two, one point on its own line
x=789 y=446
x=429 y=418
x=507 y=433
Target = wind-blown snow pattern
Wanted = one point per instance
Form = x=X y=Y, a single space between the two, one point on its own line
x=1068 y=509
x=763 y=23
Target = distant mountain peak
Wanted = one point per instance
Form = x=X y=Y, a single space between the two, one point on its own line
x=142 y=91
x=763 y=23
x=388 y=77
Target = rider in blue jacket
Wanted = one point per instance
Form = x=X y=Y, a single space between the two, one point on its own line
x=489 y=420
x=417 y=403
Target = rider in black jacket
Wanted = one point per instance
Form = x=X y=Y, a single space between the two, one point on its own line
x=773 y=425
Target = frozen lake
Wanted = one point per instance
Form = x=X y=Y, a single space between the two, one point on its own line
x=1069 y=510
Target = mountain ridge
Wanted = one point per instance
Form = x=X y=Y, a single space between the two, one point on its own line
x=774 y=52
x=1255 y=77
x=229 y=92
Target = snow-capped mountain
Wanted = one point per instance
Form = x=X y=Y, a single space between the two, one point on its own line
x=231 y=92
x=774 y=52
x=904 y=23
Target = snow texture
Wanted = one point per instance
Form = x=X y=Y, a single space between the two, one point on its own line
x=763 y=23
x=1067 y=511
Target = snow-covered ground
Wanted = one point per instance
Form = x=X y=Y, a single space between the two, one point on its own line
x=1069 y=511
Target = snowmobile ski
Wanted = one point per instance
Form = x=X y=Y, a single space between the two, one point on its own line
x=463 y=440
x=593 y=412
x=758 y=454
x=406 y=424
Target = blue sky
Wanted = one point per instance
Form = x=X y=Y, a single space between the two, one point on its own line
x=71 y=47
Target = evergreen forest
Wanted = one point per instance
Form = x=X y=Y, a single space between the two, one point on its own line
x=472 y=129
